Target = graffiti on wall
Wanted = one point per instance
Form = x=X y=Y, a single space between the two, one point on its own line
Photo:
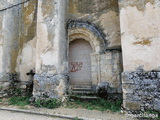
x=76 y=66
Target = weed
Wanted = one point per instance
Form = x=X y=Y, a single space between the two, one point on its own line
x=18 y=91
x=76 y=118
x=18 y=100
x=154 y=113
x=99 y=104
x=0 y=100
x=50 y=103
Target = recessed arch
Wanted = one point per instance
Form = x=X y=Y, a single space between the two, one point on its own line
x=79 y=33
x=89 y=32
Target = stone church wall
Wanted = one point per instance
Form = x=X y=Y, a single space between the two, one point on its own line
x=35 y=37
x=103 y=15
x=18 y=28
x=140 y=35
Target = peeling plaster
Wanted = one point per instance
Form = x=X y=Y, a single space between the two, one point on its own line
x=140 y=37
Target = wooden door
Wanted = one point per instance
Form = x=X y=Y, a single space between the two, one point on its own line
x=79 y=62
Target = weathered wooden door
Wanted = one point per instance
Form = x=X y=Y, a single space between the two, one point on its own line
x=79 y=62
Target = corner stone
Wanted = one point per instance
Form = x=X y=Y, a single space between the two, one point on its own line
x=131 y=105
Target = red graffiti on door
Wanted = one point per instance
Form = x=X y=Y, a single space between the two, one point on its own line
x=76 y=66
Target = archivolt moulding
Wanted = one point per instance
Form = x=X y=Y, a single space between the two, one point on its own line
x=84 y=30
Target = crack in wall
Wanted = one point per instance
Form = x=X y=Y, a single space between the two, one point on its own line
x=4 y=9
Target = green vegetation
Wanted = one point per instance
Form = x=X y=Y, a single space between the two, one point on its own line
x=50 y=103
x=76 y=118
x=98 y=104
x=18 y=91
x=19 y=101
x=153 y=113
x=0 y=100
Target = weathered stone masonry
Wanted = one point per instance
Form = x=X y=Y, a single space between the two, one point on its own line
x=35 y=37
x=140 y=35
x=141 y=90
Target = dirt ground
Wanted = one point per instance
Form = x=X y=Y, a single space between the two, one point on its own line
x=7 y=115
x=75 y=112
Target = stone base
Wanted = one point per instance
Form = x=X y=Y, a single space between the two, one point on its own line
x=10 y=85
x=50 y=86
x=141 y=90
x=7 y=83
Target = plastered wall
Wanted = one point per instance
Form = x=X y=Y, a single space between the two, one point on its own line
x=103 y=13
x=26 y=54
x=140 y=33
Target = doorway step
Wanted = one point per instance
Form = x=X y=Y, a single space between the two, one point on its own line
x=82 y=90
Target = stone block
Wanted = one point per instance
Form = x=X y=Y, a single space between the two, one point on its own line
x=132 y=105
x=119 y=90
x=112 y=90
x=128 y=88
x=6 y=85
x=127 y=96
x=125 y=78
x=158 y=75
x=23 y=86
x=52 y=86
x=157 y=104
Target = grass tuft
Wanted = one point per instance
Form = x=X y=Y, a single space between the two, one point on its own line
x=99 y=104
x=19 y=101
x=50 y=103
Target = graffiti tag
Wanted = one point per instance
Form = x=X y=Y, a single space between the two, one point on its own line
x=76 y=66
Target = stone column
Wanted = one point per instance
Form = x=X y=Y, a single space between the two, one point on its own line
x=9 y=19
x=140 y=35
x=51 y=61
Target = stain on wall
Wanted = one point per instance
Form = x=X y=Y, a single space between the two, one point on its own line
x=143 y=42
x=25 y=58
x=102 y=13
x=140 y=33
x=139 y=4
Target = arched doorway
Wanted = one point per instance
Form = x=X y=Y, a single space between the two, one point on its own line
x=80 y=63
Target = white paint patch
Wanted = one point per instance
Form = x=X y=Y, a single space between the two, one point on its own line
x=26 y=60
x=48 y=58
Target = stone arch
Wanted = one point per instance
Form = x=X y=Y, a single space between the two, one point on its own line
x=79 y=33
x=90 y=33
x=87 y=31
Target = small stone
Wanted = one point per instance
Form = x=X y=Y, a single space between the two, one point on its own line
x=158 y=74
x=157 y=105
x=23 y=86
